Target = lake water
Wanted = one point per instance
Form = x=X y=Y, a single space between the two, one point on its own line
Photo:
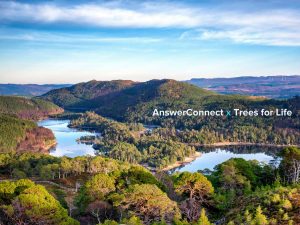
x=66 y=139
x=68 y=146
x=214 y=156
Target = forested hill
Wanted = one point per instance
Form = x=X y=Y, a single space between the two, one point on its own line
x=127 y=100
x=19 y=135
x=28 y=89
x=27 y=108
x=114 y=98
x=81 y=93
x=135 y=102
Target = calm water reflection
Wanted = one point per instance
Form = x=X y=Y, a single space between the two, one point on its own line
x=213 y=156
x=66 y=139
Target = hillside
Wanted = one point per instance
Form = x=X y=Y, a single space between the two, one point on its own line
x=269 y=86
x=70 y=97
x=137 y=101
x=28 y=108
x=116 y=97
x=18 y=135
x=28 y=89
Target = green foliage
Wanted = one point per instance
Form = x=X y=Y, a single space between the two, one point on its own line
x=110 y=222
x=240 y=191
x=132 y=221
x=193 y=185
x=290 y=164
x=141 y=200
x=99 y=186
x=12 y=131
x=120 y=142
x=134 y=102
x=125 y=152
x=242 y=175
x=260 y=218
x=161 y=153
x=27 y=108
x=24 y=201
x=203 y=220
x=111 y=131
x=137 y=175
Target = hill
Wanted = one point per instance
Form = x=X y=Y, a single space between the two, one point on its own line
x=28 y=89
x=115 y=98
x=269 y=86
x=18 y=135
x=136 y=102
x=27 y=108
x=70 y=97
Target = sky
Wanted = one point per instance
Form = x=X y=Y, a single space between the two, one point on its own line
x=63 y=41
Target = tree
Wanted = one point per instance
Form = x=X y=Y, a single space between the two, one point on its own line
x=290 y=164
x=260 y=218
x=126 y=152
x=66 y=166
x=99 y=186
x=203 y=220
x=32 y=204
x=79 y=164
x=195 y=188
x=232 y=178
x=132 y=221
x=109 y=222
x=99 y=209
x=149 y=203
x=137 y=175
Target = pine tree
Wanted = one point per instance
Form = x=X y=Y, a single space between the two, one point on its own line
x=260 y=218
x=203 y=220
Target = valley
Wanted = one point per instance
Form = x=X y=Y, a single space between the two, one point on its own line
x=102 y=156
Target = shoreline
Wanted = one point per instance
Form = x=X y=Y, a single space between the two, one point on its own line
x=197 y=154
x=186 y=160
x=220 y=144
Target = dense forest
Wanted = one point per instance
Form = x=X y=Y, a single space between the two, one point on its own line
x=18 y=130
x=97 y=190
x=19 y=135
x=135 y=102
x=160 y=147
x=27 y=108
x=131 y=142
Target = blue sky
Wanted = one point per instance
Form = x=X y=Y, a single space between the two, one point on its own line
x=75 y=41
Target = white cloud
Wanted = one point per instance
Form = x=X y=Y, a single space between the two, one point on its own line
x=270 y=37
x=64 y=38
x=264 y=37
x=279 y=27
x=97 y=15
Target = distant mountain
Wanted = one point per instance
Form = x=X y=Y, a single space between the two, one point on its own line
x=26 y=108
x=268 y=86
x=28 y=89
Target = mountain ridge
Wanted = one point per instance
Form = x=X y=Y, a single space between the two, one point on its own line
x=280 y=87
x=28 y=89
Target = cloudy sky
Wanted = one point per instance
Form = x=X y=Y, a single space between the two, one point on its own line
x=73 y=41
